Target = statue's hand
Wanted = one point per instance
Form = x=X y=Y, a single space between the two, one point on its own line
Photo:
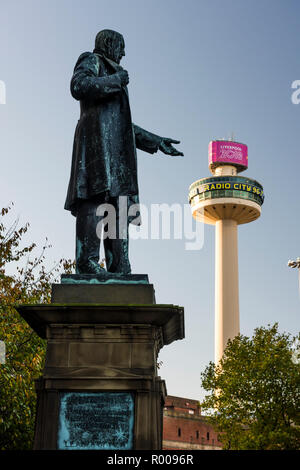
x=123 y=74
x=167 y=147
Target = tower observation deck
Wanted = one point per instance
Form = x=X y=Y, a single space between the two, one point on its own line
x=226 y=200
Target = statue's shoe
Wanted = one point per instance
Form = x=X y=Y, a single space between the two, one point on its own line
x=121 y=270
x=91 y=267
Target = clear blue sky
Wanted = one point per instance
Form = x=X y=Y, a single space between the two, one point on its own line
x=199 y=69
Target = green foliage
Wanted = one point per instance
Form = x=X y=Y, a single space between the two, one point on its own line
x=254 y=399
x=30 y=283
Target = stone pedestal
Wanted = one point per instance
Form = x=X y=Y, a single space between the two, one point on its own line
x=100 y=388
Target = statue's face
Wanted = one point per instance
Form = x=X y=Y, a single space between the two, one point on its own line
x=116 y=49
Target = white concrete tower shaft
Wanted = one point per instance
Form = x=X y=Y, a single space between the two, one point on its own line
x=226 y=285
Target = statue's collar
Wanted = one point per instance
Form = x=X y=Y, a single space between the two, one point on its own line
x=113 y=64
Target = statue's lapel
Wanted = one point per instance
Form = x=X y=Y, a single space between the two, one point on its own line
x=114 y=66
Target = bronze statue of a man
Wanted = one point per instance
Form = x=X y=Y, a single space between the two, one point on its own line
x=104 y=162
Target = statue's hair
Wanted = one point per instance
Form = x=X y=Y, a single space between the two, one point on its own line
x=104 y=36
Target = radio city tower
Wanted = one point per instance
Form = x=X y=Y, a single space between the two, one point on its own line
x=226 y=200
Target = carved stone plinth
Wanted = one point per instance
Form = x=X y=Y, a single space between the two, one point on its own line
x=100 y=387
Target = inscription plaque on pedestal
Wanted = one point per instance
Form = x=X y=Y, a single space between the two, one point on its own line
x=96 y=421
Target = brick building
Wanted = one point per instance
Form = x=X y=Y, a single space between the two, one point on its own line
x=185 y=428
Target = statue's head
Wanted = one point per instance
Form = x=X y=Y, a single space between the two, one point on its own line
x=111 y=44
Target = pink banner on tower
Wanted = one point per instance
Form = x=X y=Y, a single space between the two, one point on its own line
x=227 y=151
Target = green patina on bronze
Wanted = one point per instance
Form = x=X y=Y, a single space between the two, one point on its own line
x=104 y=161
x=96 y=421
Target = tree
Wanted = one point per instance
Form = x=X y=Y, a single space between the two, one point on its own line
x=29 y=283
x=254 y=399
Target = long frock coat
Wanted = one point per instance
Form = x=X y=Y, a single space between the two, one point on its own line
x=104 y=152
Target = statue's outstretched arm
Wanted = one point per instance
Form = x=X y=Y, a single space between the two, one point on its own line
x=86 y=84
x=151 y=143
